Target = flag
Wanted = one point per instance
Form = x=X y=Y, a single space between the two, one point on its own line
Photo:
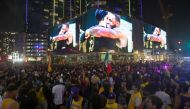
x=107 y=64
x=49 y=62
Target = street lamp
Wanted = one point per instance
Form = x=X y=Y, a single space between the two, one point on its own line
x=179 y=42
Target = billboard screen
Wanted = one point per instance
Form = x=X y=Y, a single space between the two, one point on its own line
x=154 y=37
x=63 y=38
x=104 y=31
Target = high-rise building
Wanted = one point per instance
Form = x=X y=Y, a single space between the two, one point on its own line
x=99 y=3
x=132 y=8
x=37 y=17
x=36 y=46
x=38 y=25
x=57 y=11
x=136 y=9
x=7 y=42
x=121 y=7
x=63 y=10
x=20 y=43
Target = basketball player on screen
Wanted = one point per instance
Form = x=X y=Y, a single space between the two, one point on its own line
x=65 y=37
x=111 y=30
x=156 y=37
x=114 y=32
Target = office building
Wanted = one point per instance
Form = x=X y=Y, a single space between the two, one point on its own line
x=36 y=46
x=7 y=42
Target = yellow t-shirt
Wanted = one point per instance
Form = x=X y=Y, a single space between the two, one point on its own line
x=132 y=102
x=8 y=103
x=111 y=104
x=40 y=95
x=77 y=104
x=101 y=90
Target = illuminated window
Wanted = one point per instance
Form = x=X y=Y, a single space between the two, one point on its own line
x=56 y=14
x=46 y=17
x=46 y=10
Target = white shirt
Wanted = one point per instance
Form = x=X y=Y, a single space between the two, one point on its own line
x=1 y=100
x=58 y=91
x=164 y=97
x=138 y=101
x=111 y=81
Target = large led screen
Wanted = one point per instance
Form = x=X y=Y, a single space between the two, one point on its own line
x=63 y=38
x=154 y=37
x=104 y=31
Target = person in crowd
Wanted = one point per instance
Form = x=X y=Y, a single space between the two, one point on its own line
x=153 y=102
x=95 y=79
x=105 y=89
x=77 y=101
x=165 y=97
x=27 y=97
x=47 y=93
x=136 y=98
x=111 y=102
x=1 y=100
x=41 y=98
x=95 y=93
x=9 y=100
x=97 y=101
x=123 y=95
x=102 y=102
x=58 y=92
x=182 y=101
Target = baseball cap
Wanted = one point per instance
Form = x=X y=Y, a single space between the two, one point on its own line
x=74 y=91
x=183 y=80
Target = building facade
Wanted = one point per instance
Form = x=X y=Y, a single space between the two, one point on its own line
x=38 y=25
x=36 y=46
x=132 y=8
x=7 y=42
x=37 y=17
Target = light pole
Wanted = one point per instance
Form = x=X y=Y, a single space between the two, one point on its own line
x=53 y=12
x=129 y=7
x=80 y=7
x=70 y=8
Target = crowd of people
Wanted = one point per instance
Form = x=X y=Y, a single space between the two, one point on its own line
x=140 y=85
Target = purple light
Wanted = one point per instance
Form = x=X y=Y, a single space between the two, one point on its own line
x=38 y=46
x=141 y=9
x=165 y=67
x=26 y=17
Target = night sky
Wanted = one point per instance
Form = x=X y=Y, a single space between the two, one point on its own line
x=12 y=19
x=179 y=23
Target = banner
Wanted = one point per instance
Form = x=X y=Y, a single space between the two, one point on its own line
x=49 y=62
x=107 y=64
